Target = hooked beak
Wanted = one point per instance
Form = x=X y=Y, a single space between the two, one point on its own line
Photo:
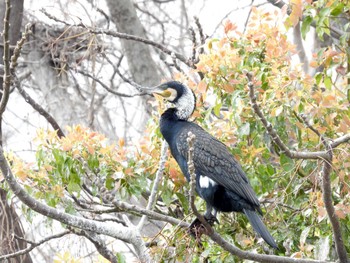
x=161 y=90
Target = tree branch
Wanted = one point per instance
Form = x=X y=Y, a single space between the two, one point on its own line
x=7 y=70
x=343 y=139
x=328 y=203
x=112 y=33
x=159 y=175
x=98 y=243
x=151 y=214
x=38 y=108
x=32 y=246
x=325 y=156
x=116 y=231
x=84 y=73
x=272 y=132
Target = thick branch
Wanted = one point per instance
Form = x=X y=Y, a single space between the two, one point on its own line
x=328 y=202
x=119 y=232
x=99 y=244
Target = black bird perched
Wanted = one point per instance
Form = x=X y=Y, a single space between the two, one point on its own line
x=220 y=180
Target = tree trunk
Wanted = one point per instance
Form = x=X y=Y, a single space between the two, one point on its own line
x=141 y=64
x=10 y=226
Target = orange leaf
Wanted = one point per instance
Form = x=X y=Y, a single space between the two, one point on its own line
x=297 y=12
x=229 y=26
x=202 y=87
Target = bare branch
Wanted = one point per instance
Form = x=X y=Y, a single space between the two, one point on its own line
x=340 y=140
x=257 y=257
x=151 y=214
x=84 y=73
x=98 y=243
x=116 y=34
x=38 y=108
x=328 y=203
x=191 y=170
x=7 y=71
x=19 y=46
x=159 y=175
x=33 y=245
x=142 y=40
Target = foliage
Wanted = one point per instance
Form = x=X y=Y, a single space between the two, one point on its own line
x=292 y=101
x=299 y=106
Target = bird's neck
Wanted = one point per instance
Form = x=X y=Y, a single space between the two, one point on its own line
x=169 y=122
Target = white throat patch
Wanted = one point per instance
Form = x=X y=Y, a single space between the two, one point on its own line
x=185 y=105
x=205 y=181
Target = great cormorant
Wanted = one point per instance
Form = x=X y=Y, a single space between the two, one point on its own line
x=220 y=180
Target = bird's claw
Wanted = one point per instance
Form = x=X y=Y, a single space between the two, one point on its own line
x=211 y=219
x=197 y=229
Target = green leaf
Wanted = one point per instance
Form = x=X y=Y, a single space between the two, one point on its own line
x=110 y=182
x=73 y=187
x=328 y=82
x=120 y=258
x=318 y=78
x=286 y=163
x=305 y=26
x=184 y=201
x=217 y=109
x=337 y=10
x=324 y=12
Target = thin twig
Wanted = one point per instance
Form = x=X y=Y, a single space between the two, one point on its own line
x=137 y=210
x=154 y=191
x=38 y=108
x=86 y=74
x=112 y=33
x=32 y=246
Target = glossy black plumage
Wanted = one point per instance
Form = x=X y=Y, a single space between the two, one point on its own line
x=220 y=180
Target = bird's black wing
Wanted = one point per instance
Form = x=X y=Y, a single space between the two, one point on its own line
x=213 y=159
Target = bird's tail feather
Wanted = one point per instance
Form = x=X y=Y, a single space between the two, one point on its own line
x=259 y=227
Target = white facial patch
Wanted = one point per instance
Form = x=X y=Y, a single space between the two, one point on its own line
x=205 y=181
x=173 y=95
x=185 y=104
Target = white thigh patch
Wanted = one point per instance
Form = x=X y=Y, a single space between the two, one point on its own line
x=205 y=182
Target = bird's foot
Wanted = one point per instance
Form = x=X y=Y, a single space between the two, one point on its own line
x=211 y=219
x=197 y=229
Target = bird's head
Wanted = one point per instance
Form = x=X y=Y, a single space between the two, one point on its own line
x=178 y=94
